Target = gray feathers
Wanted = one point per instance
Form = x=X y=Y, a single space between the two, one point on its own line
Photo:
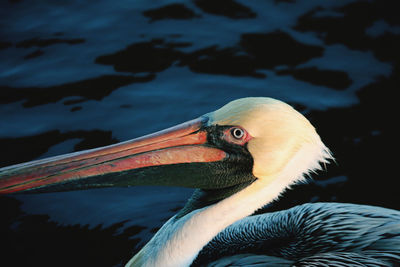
x=306 y=235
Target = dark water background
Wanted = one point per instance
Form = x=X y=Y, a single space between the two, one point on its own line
x=81 y=74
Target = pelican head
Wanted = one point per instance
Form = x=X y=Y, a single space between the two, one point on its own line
x=239 y=157
x=275 y=134
x=248 y=139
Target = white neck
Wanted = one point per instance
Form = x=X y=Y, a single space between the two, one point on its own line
x=178 y=242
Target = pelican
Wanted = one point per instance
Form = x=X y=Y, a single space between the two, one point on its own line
x=239 y=158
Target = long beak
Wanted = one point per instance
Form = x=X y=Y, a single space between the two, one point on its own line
x=121 y=164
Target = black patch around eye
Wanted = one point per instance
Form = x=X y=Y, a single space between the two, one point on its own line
x=215 y=134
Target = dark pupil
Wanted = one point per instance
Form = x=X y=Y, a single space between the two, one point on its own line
x=237 y=133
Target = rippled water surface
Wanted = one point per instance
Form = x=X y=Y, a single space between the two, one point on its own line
x=81 y=74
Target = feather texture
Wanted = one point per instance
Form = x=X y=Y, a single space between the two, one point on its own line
x=322 y=232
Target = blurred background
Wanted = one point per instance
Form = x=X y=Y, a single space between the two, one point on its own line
x=76 y=75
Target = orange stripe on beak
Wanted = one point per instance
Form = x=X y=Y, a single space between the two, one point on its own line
x=180 y=144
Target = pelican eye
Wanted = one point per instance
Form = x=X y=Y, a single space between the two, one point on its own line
x=237 y=133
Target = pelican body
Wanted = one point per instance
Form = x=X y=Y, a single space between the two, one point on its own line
x=239 y=158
